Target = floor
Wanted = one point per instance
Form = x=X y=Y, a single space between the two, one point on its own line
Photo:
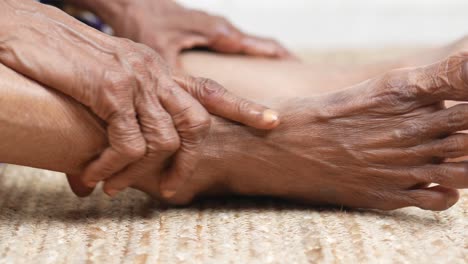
x=42 y=222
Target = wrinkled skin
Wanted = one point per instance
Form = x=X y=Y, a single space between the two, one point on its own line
x=378 y=144
x=170 y=28
x=150 y=113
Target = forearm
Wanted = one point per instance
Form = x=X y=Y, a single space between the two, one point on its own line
x=44 y=129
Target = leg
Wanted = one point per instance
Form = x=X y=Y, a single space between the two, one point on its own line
x=44 y=129
x=259 y=78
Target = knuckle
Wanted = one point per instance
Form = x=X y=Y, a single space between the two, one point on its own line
x=167 y=88
x=118 y=80
x=243 y=106
x=171 y=145
x=210 y=91
x=148 y=56
x=168 y=142
x=464 y=169
x=199 y=126
x=415 y=175
x=458 y=116
x=114 y=94
x=435 y=174
x=394 y=90
x=453 y=146
x=162 y=137
x=410 y=132
x=453 y=73
x=133 y=151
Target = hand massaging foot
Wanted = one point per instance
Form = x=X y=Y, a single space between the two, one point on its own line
x=378 y=144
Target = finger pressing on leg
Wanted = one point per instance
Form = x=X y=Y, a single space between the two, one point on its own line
x=162 y=141
x=127 y=145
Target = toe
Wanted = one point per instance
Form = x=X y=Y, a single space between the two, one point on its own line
x=435 y=198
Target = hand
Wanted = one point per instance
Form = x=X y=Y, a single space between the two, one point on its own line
x=378 y=144
x=170 y=28
x=148 y=115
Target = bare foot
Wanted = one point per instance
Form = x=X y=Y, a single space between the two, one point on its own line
x=375 y=145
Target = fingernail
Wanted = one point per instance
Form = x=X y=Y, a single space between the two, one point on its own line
x=168 y=193
x=112 y=192
x=270 y=116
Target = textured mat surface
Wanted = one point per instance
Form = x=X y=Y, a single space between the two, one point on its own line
x=42 y=222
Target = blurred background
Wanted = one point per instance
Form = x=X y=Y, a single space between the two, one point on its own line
x=346 y=24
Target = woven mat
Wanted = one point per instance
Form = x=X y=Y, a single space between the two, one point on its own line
x=42 y=222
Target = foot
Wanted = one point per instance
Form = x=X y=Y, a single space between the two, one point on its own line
x=378 y=145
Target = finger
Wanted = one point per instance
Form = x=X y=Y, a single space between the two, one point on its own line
x=129 y=176
x=162 y=142
x=78 y=187
x=226 y=38
x=192 y=123
x=258 y=46
x=454 y=146
x=217 y=100
x=453 y=174
x=126 y=146
x=436 y=198
x=444 y=80
x=445 y=122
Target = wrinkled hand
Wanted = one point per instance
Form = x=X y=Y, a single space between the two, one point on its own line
x=380 y=144
x=149 y=116
x=170 y=28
